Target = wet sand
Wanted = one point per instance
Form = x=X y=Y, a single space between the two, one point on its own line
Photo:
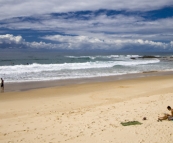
x=23 y=86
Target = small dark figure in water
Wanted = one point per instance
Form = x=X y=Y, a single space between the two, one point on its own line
x=2 y=85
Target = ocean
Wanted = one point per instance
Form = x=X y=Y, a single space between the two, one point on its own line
x=41 y=66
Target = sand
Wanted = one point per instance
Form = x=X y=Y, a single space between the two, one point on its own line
x=89 y=112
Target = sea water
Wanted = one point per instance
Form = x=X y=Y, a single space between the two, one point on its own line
x=40 y=66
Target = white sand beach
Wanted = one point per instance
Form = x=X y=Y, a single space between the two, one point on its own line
x=89 y=112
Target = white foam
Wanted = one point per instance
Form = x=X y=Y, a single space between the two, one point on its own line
x=39 y=72
x=69 y=66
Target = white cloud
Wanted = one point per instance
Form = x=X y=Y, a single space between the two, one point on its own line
x=106 y=43
x=119 y=26
x=13 y=8
x=171 y=43
x=97 y=32
x=8 y=39
x=82 y=42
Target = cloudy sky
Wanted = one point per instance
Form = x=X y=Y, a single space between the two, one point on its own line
x=77 y=24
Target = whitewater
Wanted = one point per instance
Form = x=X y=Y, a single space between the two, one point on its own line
x=33 y=67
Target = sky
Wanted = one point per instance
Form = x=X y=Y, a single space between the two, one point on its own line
x=123 y=25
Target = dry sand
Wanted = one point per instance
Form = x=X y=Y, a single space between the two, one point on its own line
x=89 y=112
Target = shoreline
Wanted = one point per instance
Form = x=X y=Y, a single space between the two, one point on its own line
x=29 y=85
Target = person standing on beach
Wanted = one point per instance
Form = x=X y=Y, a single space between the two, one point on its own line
x=2 y=85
